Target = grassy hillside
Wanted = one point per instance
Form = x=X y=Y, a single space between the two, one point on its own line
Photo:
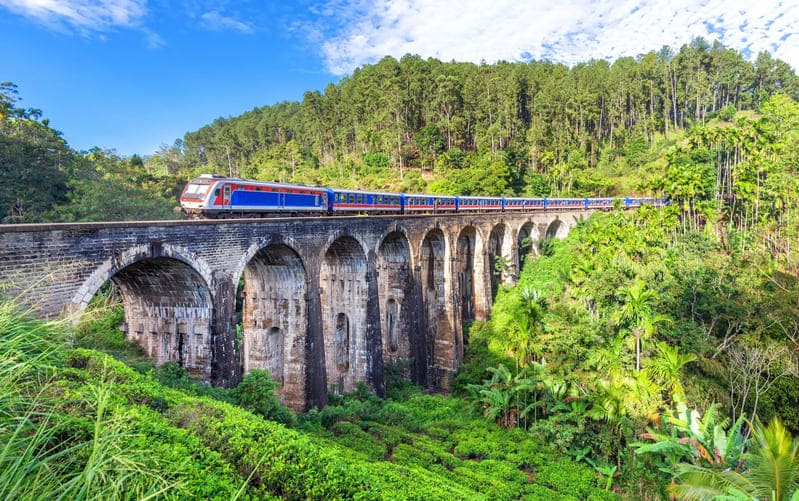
x=79 y=424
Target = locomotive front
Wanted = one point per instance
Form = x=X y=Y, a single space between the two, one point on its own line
x=194 y=199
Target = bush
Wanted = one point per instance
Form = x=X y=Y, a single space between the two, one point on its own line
x=566 y=476
x=256 y=393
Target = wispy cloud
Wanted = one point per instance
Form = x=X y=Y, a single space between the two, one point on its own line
x=153 y=39
x=83 y=15
x=353 y=32
x=214 y=20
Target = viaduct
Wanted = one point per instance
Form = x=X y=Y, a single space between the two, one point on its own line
x=323 y=303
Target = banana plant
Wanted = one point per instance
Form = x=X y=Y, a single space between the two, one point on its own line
x=694 y=439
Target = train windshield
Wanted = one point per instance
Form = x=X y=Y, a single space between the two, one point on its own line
x=195 y=190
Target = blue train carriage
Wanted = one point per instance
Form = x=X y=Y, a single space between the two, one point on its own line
x=479 y=204
x=234 y=197
x=632 y=202
x=565 y=203
x=415 y=203
x=605 y=203
x=513 y=204
x=356 y=201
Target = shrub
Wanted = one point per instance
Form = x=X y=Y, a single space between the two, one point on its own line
x=567 y=476
x=256 y=393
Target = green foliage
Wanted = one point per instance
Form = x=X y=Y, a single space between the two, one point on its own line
x=562 y=476
x=174 y=375
x=706 y=441
x=117 y=432
x=771 y=470
x=99 y=329
x=104 y=187
x=33 y=158
x=479 y=130
x=616 y=280
x=256 y=393
x=68 y=435
x=502 y=129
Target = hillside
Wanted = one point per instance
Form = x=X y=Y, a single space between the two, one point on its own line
x=78 y=424
x=414 y=125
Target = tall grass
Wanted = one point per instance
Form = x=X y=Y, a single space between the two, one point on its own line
x=46 y=453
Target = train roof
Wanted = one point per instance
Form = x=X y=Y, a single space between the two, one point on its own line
x=365 y=192
x=206 y=178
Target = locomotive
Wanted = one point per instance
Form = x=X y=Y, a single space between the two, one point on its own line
x=214 y=196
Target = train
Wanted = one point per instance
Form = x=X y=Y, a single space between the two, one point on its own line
x=213 y=196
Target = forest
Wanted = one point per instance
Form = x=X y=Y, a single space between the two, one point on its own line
x=649 y=355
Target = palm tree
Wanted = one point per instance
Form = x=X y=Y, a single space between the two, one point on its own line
x=609 y=404
x=496 y=396
x=771 y=471
x=526 y=327
x=636 y=313
x=610 y=359
x=667 y=367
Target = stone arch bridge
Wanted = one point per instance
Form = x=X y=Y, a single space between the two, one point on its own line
x=323 y=303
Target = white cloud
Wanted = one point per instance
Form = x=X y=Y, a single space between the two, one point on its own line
x=153 y=39
x=216 y=21
x=84 y=15
x=568 y=31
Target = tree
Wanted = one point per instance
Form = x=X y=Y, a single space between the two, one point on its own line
x=636 y=313
x=667 y=366
x=753 y=369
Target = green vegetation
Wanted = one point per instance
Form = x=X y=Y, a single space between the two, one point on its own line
x=78 y=424
x=414 y=125
x=635 y=343
x=638 y=358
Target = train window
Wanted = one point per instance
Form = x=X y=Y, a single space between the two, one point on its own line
x=350 y=198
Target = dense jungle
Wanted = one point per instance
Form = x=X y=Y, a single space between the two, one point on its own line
x=651 y=354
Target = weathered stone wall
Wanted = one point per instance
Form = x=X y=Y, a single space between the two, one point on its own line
x=274 y=319
x=403 y=285
x=168 y=311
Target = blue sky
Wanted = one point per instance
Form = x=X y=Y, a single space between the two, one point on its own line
x=134 y=74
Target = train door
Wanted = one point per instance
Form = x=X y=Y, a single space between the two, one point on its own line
x=226 y=195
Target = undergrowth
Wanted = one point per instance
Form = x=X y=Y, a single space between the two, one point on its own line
x=76 y=423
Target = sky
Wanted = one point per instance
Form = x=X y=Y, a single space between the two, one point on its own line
x=133 y=75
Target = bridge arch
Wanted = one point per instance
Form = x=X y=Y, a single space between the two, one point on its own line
x=119 y=261
x=464 y=279
x=499 y=255
x=252 y=250
x=394 y=288
x=437 y=325
x=344 y=297
x=557 y=229
x=272 y=296
x=527 y=241
x=167 y=301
